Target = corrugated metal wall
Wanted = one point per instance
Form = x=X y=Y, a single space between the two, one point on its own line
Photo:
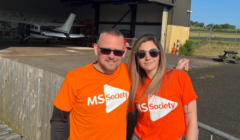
x=54 y=7
x=179 y=15
x=150 y=12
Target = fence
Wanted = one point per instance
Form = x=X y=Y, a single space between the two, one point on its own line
x=209 y=34
x=216 y=132
x=26 y=96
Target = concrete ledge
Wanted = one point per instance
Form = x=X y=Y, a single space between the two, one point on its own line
x=26 y=96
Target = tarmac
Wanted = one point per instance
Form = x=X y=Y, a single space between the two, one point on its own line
x=215 y=83
x=62 y=57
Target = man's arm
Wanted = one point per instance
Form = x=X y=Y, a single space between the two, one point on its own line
x=190 y=112
x=59 y=124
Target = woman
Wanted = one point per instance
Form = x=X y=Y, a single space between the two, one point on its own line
x=165 y=99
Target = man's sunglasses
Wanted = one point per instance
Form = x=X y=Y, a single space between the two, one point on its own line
x=108 y=51
x=153 y=53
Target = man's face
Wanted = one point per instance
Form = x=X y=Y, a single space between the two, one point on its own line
x=108 y=63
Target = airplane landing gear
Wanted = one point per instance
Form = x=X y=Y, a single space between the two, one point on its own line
x=24 y=40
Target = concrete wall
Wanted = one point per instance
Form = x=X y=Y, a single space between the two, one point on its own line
x=26 y=96
x=175 y=33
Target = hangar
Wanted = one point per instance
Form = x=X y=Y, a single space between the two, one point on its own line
x=169 y=20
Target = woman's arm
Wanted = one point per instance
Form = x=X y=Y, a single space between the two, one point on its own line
x=190 y=111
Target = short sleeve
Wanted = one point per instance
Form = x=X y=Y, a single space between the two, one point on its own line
x=188 y=93
x=66 y=97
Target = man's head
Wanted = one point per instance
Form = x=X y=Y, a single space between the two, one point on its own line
x=108 y=61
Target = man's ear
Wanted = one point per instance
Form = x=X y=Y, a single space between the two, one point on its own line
x=95 y=49
x=125 y=51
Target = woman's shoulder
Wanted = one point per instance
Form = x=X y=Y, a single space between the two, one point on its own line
x=173 y=75
x=175 y=72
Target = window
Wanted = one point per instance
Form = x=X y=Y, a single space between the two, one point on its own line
x=44 y=27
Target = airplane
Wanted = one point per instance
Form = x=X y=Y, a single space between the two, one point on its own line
x=43 y=31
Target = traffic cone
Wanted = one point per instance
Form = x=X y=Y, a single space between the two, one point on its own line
x=174 y=50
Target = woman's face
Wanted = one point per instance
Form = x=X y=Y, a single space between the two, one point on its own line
x=149 y=63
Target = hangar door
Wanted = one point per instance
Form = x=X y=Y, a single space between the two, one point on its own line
x=134 y=19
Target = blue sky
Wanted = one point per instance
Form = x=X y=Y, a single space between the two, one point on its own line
x=216 y=11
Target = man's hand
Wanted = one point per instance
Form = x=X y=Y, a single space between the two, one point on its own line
x=182 y=63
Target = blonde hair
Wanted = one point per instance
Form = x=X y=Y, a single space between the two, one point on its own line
x=138 y=75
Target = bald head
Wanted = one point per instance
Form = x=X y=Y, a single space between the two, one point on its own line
x=112 y=32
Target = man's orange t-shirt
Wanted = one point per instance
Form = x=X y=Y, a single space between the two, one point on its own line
x=98 y=103
x=162 y=116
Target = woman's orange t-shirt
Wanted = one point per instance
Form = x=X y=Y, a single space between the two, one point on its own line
x=98 y=103
x=162 y=116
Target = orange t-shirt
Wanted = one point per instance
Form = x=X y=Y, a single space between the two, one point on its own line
x=162 y=116
x=98 y=103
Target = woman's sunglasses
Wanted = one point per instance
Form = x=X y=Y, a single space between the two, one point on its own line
x=107 y=51
x=153 y=53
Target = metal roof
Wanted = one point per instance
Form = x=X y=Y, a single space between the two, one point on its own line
x=114 y=2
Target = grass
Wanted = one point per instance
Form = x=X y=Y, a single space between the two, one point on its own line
x=217 y=34
x=215 y=30
x=206 y=76
x=213 y=49
x=195 y=41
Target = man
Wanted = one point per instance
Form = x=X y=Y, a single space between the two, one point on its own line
x=95 y=97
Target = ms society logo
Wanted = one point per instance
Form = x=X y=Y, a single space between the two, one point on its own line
x=113 y=97
x=158 y=107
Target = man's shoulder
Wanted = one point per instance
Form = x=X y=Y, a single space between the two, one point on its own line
x=79 y=71
x=124 y=65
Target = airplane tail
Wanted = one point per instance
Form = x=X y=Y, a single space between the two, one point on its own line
x=67 y=25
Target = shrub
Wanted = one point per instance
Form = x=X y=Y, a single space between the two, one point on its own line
x=187 y=48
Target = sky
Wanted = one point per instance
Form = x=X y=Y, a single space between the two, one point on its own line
x=216 y=11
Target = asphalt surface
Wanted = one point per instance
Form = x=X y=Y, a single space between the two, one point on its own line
x=218 y=90
x=62 y=57
x=218 y=39
x=217 y=87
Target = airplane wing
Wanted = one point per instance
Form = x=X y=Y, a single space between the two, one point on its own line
x=75 y=36
x=63 y=35
x=33 y=22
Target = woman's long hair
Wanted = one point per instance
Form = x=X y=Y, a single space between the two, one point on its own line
x=138 y=74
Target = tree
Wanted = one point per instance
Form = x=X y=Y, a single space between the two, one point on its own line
x=192 y=23
x=200 y=24
x=210 y=25
x=216 y=26
x=196 y=23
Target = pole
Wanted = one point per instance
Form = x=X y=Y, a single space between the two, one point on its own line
x=210 y=33
x=198 y=38
x=236 y=36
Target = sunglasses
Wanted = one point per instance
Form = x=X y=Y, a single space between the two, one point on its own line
x=108 y=51
x=153 y=53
